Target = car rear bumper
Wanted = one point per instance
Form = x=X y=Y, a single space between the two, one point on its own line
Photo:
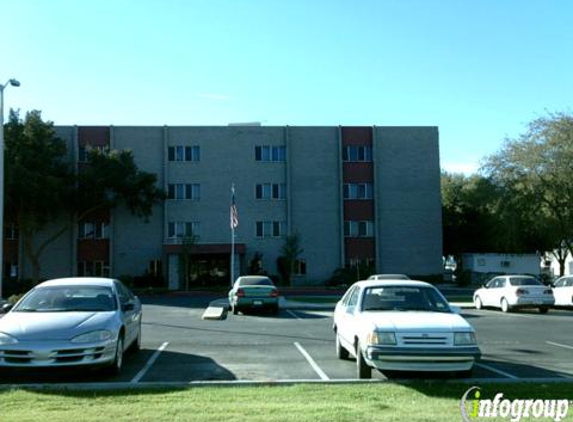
x=423 y=359
x=534 y=302
x=55 y=354
x=256 y=302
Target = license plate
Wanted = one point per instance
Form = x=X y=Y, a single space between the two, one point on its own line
x=257 y=302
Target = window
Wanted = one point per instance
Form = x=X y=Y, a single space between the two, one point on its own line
x=93 y=269
x=92 y=230
x=155 y=267
x=358 y=191
x=83 y=151
x=357 y=153
x=182 y=229
x=358 y=228
x=270 y=191
x=184 y=191
x=270 y=228
x=300 y=267
x=11 y=232
x=184 y=153
x=270 y=153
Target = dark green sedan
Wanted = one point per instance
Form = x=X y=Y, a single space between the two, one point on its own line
x=254 y=292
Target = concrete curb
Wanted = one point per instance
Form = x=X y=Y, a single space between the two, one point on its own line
x=102 y=386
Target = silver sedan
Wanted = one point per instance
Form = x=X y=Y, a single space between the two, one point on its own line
x=71 y=322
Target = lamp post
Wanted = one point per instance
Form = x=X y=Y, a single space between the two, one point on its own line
x=12 y=82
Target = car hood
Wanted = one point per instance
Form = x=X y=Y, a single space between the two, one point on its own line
x=413 y=321
x=34 y=326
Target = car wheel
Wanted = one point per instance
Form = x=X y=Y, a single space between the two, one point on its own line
x=504 y=305
x=543 y=310
x=115 y=367
x=275 y=309
x=341 y=352
x=478 y=303
x=363 y=371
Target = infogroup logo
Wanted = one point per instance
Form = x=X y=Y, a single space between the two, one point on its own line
x=473 y=407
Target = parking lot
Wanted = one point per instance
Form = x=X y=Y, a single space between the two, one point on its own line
x=178 y=346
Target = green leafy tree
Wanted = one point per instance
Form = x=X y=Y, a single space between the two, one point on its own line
x=291 y=252
x=45 y=193
x=536 y=171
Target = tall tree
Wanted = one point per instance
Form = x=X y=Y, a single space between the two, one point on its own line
x=43 y=188
x=536 y=169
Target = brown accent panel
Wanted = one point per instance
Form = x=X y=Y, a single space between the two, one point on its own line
x=97 y=136
x=359 y=248
x=356 y=135
x=357 y=210
x=213 y=248
x=356 y=172
x=93 y=250
x=11 y=250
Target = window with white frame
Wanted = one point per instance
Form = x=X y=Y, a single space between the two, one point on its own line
x=184 y=153
x=11 y=231
x=358 y=191
x=270 y=228
x=184 y=191
x=300 y=267
x=92 y=230
x=181 y=229
x=270 y=153
x=93 y=269
x=358 y=228
x=357 y=153
x=270 y=191
x=84 y=150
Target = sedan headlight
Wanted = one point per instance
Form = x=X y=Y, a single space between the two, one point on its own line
x=93 y=337
x=379 y=338
x=6 y=339
x=465 y=339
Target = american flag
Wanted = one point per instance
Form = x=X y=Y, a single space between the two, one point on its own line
x=234 y=215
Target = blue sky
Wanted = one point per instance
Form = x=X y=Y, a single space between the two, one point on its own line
x=477 y=69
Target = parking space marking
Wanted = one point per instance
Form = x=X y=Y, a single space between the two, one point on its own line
x=291 y=313
x=559 y=345
x=150 y=362
x=497 y=371
x=311 y=361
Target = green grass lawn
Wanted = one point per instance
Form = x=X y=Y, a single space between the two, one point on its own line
x=416 y=401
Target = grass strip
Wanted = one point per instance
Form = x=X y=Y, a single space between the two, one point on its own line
x=414 y=401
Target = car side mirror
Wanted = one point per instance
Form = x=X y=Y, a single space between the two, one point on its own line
x=128 y=307
x=456 y=309
x=7 y=307
x=484 y=286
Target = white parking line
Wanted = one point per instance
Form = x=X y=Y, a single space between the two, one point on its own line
x=559 y=345
x=150 y=362
x=310 y=360
x=491 y=368
x=291 y=313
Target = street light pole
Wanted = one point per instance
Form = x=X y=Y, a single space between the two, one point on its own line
x=12 y=82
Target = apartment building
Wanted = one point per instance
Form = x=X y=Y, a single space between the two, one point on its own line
x=353 y=194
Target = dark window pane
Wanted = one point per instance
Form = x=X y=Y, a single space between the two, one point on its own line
x=258 y=155
x=171 y=153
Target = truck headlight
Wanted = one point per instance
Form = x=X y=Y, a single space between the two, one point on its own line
x=381 y=338
x=467 y=338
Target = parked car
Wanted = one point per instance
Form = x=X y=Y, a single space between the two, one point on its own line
x=402 y=325
x=563 y=291
x=509 y=292
x=388 y=277
x=254 y=292
x=71 y=322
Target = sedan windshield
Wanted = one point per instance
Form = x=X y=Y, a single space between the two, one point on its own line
x=68 y=299
x=263 y=281
x=403 y=298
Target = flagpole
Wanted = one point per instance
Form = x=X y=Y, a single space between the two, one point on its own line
x=232 y=236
